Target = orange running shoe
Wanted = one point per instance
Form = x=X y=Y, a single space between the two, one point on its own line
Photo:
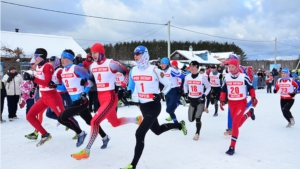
x=139 y=120
x=81 y=155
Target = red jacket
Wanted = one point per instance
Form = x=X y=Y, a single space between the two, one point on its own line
x=86 y=64
x=270 y=79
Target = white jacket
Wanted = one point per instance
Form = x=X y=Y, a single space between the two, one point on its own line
x=13 y=88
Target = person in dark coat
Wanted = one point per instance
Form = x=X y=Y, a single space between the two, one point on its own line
x=3 y=95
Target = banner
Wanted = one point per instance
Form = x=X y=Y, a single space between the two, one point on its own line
x=276 y=66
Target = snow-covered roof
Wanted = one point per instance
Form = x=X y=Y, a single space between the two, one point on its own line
x=203 y=56
x=29 y=42
x=221 y=55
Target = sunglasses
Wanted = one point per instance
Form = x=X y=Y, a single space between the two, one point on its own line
x=137 y=53
x=37 y=55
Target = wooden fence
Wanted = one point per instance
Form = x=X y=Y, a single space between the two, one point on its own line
x=265 y=64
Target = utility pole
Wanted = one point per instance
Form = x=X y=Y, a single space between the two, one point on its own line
x=298 y=63
x=275 y=50
x=169 y=44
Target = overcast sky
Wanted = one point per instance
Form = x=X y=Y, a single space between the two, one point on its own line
x=244 y=22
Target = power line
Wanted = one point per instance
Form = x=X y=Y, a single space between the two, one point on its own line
x=152 y=33
x=122 y=20
x=273 y=52
x=125 y=38
x=288 y=45
x=217 y=36
x=90 y=16
x=92 y=40
x=158 y=28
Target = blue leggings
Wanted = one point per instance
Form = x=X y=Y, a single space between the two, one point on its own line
x=172 y=102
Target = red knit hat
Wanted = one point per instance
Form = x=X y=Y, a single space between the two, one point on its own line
x=236 y=63
x=174 y=63
x=98 y=47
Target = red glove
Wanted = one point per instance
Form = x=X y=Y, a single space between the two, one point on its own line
x=254 y=101
x=222 y=103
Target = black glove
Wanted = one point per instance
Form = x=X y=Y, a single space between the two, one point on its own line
x=292 y=94
x=83 y=82
x=162 y=96
x=27 y=76
x=83 y=99
x=157 y=97
x=180 y=92
x=52 y=84
x=186 y=96
x=275 y=91
x=127 y=93
x=31 y=93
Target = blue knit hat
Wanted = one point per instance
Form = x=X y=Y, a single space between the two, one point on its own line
x=165 y=61
x=285 y=70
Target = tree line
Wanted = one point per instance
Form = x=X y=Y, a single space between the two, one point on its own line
x=159 y=48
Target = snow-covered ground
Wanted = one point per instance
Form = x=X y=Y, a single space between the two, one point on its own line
x=263 y=143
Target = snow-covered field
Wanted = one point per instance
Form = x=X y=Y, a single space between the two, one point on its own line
x=263 y=143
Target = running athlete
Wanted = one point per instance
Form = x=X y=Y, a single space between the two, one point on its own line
x=235 y=87
x=50 y=97
x=103 y=72
x=145 y=79
x=215 y=80
x=174 y=94
x=75 y=80
x=228 y=131
x=194 y=89
x=119 y=90
x=179 y=82
x=57 y=80
x=288 y=89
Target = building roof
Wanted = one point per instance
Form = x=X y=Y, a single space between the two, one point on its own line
x=29 y=42
x=221 y=55
x=203 y=56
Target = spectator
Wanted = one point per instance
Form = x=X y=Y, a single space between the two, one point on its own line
x=158 y=63
x=255 y=79
x=3 y=95
x=274 y=72
x=88 y=61
x=260 y=74
x=279 y=72
x=269 y=81
x=78 y=59
x=12 y=81
x=27 y=89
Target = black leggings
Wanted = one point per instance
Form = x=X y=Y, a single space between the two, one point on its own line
x=150 y=112
x=286 y=105
x=84 y=113
x=93 y=101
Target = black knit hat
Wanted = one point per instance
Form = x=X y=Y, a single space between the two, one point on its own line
x=12 y=68
x=41 y=52
x=213 y=66
x=195 y=63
